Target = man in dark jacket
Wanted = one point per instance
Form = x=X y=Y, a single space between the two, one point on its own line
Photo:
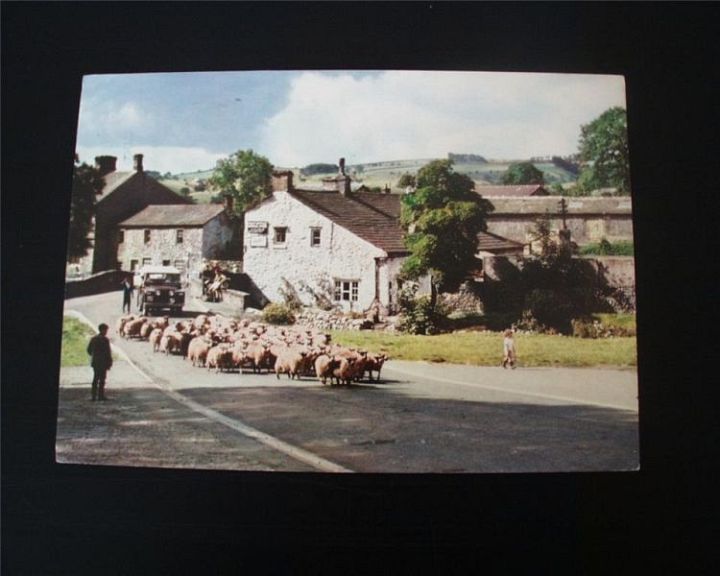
x=101 y=361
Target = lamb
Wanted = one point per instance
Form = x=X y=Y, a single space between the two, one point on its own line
x=290 y=362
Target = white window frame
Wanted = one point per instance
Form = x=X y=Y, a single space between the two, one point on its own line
x=346 y=290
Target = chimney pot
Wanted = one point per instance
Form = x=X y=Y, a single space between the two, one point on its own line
x=341 y=165
x=138 y=162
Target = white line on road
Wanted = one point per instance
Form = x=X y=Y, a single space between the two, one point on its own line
x=293 y=451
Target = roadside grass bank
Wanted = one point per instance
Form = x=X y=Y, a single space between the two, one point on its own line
x=486 y=348
x=75 y=337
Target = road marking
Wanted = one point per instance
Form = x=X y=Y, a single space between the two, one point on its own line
x=293 y=451
x=506 y=391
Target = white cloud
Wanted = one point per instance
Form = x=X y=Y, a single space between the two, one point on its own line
x=174 y=159
x=408 y=114
x=109 y=120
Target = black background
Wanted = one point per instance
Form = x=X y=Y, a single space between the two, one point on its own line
x=76 y=519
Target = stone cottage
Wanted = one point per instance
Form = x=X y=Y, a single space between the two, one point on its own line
x=329 y=246
x=175 y=235
x=124 y=194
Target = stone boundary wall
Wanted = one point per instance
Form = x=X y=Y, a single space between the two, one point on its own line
x=322 y=320
x=100 y=283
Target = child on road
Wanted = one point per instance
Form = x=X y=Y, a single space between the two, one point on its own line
x=508 y=350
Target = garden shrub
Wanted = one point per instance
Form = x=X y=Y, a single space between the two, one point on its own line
x=275 y=313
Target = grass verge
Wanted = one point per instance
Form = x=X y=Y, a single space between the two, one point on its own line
x=485 y=348
x=75 y=337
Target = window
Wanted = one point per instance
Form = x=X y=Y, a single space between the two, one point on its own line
x=346 y=290
x=315 y=236
x=166 y=262
x=147 y=261
x=133 y=265
x=147 y=236
x=280 y=234
x=180 y=265
x=121 y=236
x=178 y=236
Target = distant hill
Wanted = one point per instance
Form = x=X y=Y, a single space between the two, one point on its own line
x=380 y=174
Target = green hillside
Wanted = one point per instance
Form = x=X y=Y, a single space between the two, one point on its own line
x=380 y=174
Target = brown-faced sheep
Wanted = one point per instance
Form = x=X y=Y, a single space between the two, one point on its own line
x=290 y=362
x=325 y=366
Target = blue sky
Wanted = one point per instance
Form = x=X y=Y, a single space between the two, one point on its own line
x=184 y=122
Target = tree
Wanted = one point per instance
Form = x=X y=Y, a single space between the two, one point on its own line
x=87 y=184
x=604 y=146
x=406 y=180
x=442 y=219
x=520 y=173
x=244 y=175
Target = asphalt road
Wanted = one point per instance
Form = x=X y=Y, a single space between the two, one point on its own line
x=420 y=418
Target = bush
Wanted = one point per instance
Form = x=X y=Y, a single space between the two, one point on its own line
x=278 y=314
x=606 y=248
x=417 y=315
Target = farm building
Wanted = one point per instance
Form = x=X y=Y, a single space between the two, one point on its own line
x=334 y=245
x=331 y=245
x=124 y=194
x=175 y=235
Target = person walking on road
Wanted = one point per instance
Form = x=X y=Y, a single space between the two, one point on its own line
x=100 y=360
x=127 y=289
x=509 y=355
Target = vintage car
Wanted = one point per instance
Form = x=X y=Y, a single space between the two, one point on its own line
x=161 y=289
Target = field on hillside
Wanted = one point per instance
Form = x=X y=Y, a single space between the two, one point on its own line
x=381 y=174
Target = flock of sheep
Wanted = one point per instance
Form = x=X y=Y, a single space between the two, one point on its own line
x=225 y=344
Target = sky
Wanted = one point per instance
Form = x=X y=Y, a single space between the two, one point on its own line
x=185 y=122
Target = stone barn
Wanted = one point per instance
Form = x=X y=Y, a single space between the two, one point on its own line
x=175 y=235
x=124 y=194
x=331 y=246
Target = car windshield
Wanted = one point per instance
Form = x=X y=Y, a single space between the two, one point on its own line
x=162 y=278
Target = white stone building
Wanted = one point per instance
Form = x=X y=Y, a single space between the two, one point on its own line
x=330 y=245
x=174 y=235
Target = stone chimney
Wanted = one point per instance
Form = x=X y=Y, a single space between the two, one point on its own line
x=138 y=162
x=341 y=166
x=105 y=164
x=282 y=181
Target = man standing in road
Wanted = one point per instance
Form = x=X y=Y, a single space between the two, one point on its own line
x=101 y=361
x=127 y=289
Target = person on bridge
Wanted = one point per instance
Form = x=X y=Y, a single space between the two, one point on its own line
x=100 y=360
x=127 y=289
x=509 y=355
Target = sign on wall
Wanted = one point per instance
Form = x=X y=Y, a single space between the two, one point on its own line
x=257 y=227
x=258 y=242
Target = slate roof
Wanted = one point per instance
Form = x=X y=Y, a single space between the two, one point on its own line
x=173 y=215
x=511 y=191
x=113 y=181
x=371 y=216
x=489 y=242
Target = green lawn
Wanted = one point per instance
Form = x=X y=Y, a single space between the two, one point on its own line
x=485 y=348
x=75 y=338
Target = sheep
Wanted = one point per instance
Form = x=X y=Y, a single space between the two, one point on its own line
x=324 y=367
x=154 y=339
x=145 y=330
x=374 y=362
x=132 y=328
x=345 y=370
x=219 y=357
x=170 y=342
x=290 y=362
x=198 y=350
x=121 y=323
x=259 y=355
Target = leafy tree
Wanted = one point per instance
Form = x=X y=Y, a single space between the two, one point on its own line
x=604 y=145
x=87 y=184
x=442 y=218
x=319 y=168
x=244 y=175
x=406 y=180
x=520 y=173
